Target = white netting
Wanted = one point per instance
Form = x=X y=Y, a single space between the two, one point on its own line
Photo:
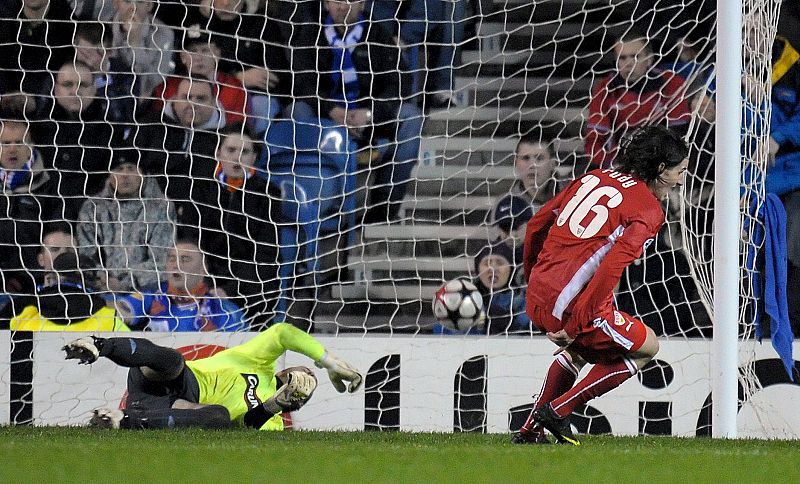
x=433 y=126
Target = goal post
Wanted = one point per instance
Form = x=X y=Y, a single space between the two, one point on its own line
x=727 y=225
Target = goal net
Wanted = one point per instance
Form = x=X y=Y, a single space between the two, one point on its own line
x=181 y=150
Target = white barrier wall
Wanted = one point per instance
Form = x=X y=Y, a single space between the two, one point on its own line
x=64 y=392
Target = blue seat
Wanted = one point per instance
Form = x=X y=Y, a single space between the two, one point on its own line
x=314 y=164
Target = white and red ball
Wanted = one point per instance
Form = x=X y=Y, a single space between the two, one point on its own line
x=458 y=305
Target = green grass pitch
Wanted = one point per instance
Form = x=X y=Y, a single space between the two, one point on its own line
x=35 y=454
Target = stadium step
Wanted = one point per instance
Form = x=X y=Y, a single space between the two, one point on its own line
x=478 y=151
x=470 y=186
x=522 y=91
x=465 y=150
x=419 y=232
x=372 y=268
x=504 y=121
x=459 y=210
x=555 y=60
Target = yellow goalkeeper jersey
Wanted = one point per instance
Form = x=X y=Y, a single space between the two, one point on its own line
x=242 y=377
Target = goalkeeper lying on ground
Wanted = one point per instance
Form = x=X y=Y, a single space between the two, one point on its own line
x=237 y=386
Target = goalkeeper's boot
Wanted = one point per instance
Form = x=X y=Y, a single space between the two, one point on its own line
x=84 y=349
x=533 y=436
x=106 y=418
x=558 y=426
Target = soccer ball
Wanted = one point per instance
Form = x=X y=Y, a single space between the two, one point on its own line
x=458 y=305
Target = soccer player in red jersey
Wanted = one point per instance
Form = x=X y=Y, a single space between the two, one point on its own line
x=576 y=248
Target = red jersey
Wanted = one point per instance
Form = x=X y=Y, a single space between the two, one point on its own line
x=230 y=93
x=616 y=109
x=578 y=244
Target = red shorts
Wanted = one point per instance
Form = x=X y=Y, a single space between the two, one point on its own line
x=612 y=334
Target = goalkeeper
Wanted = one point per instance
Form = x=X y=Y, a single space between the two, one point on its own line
x=236 y=387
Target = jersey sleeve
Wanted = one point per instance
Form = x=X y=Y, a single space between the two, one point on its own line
x=628 y=247
x=282 y=337
x=537 y=229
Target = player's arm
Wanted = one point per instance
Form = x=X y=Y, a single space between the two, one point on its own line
x=628 y=247
x=286 y=337
x=537 y=229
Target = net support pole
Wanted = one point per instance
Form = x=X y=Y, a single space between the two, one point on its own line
x=727 y=233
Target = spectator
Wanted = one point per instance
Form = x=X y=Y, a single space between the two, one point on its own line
x=635 y=95
x=238 y=212
x=687 y=63
x=27 y=201
x=252 y=48
x=430 y=33
x=783 y=173
x=35 y=36
x=74 y=137
x=128 y=228
x=57 y=239
x=503 y=302
x=143 y=43
x=535 y=169
x=181 y=149
x=200 y=59
x=94 y=10
x=67 y=301
x=511 y=215
x=185 y=302
x=112 y=76
x=350 y=75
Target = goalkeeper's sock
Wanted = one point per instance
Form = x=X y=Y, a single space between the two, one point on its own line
x=559 y=379
x=210 y=417
x=602 y=378
x=138 y=352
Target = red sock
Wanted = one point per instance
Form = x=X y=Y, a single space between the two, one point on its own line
x=560 y=377
x=601 y=379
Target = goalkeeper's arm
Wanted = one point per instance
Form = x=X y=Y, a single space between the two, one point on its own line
x=287 y=337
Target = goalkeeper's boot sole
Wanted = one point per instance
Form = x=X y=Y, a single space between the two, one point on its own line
x=558 y=426
x=106 y=418
x=535 y=436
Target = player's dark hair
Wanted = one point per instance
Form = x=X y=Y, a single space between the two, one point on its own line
x=642 y=153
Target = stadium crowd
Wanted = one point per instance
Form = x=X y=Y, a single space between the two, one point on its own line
x=137 y=134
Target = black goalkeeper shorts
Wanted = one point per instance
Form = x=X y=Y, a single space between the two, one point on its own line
x=144 y=394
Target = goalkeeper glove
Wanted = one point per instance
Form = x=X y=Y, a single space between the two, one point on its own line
x=339 y=371
x=83 y=349
x=292 y=395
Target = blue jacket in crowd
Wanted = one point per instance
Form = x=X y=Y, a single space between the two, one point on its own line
x=168 y=312
x=784 y=177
